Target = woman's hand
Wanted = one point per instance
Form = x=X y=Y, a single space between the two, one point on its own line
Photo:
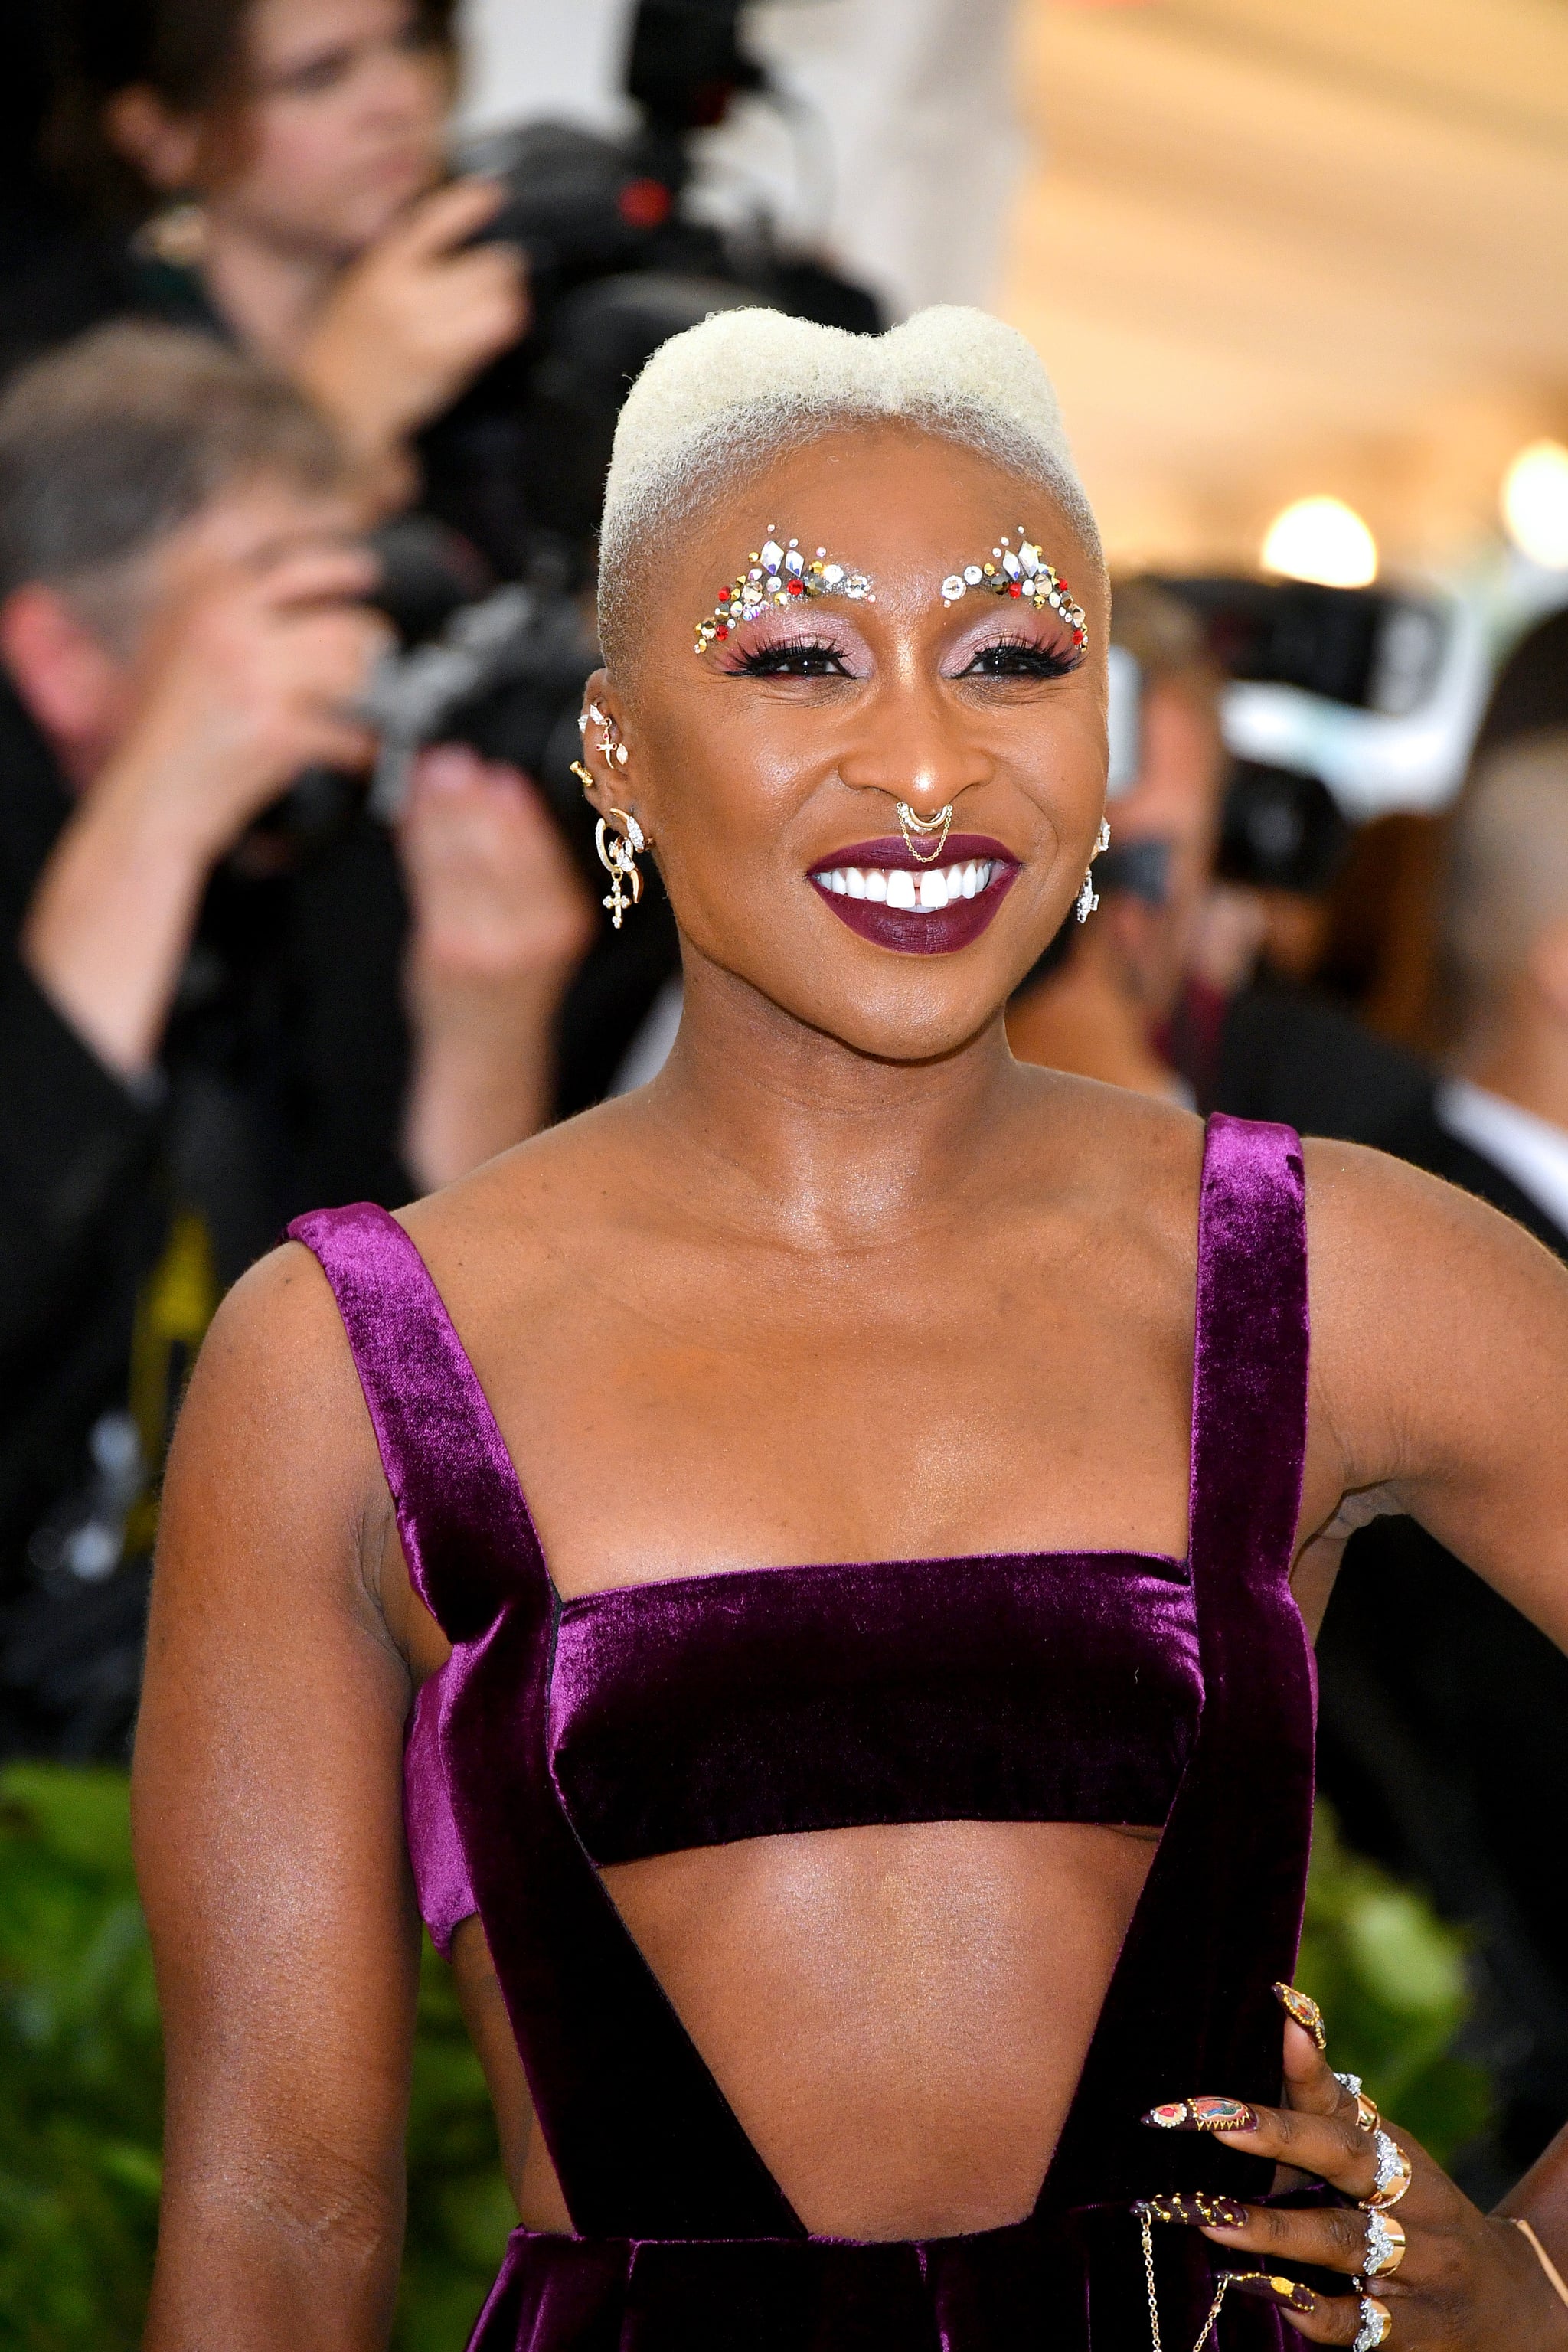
x=408 y=328
x=1465 y=2282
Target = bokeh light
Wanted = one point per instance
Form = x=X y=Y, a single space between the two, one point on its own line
x=1535 y=503
x=1323 y=541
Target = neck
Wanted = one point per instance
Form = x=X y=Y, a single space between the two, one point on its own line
x=270 y=294
x=816 y=1145
x=1084 y=1018
x=1526 y=1061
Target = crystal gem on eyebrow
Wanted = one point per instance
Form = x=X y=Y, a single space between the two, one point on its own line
x=779 y=575
x=1022 y=572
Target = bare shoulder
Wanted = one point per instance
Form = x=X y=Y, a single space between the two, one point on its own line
x=1430 y=1310
x=274 y=1417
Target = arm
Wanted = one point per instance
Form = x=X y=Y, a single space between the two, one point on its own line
x=247 y=684
x=500 y=922
x=1440 y=1370
x=268 y=1810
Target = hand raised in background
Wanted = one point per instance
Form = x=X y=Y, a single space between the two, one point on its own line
x=409 y=326
x=501 y=921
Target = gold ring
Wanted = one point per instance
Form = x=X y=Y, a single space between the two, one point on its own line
x=1393 y=2175
x=1385 y=2246
x=1366 y=2114
x=1376 y=2324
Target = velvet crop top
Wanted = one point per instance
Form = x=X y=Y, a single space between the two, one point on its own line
x=1050 y=1686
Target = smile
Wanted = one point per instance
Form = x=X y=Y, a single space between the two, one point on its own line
x=886 y=896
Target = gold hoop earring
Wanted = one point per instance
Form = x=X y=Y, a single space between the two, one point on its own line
x=909 y=824
x=617 y=856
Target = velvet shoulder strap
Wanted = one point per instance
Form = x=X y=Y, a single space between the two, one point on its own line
x=1190 y=2007
x=1251 y=1342
x=466 y=1529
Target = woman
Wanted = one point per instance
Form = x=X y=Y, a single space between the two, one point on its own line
x=878 y=1939
x=292 y=151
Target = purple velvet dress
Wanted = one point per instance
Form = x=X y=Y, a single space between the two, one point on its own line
x=1083 y=1687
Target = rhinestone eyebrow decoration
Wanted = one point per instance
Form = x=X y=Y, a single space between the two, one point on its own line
x=1020 y=571
x=777 y=576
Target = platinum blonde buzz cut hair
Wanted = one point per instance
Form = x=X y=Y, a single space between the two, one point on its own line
x=718 y=403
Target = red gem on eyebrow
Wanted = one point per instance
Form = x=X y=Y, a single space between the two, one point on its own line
x=1015 y=589
x=795 y=589
x=722 y=630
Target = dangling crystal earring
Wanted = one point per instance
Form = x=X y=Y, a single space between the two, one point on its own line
x=909 y=824
x=617 y=856
x=1088 y=897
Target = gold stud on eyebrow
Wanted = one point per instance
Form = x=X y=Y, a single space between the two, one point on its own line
x=778 y=576
x=1023 y=572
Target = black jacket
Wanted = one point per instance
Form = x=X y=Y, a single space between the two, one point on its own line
x=280 y=1089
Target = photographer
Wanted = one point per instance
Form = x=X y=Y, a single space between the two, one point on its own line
x=290 y=152
x=209 y=1018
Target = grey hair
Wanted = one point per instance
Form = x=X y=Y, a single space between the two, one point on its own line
x=1508 y=872
x=722 y=400
x=113 y=442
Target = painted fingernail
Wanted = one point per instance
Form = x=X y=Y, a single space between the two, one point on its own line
x=1304 y=2009
x=1203 y=2114
x=1277 y=2291
x=1197 y=2208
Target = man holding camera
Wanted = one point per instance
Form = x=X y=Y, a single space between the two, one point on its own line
x=214 y=1012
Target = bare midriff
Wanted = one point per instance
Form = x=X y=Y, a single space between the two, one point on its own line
x=898 y=2014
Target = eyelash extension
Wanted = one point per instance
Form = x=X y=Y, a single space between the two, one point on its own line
x=767 y=661
x=1035 y=660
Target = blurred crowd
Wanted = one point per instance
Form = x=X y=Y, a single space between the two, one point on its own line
x=282 y=400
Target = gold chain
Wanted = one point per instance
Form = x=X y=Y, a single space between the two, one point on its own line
x=1208 y=2326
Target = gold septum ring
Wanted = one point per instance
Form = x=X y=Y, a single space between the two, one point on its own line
x=909 y=824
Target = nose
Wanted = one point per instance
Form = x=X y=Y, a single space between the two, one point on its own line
x=915 y=745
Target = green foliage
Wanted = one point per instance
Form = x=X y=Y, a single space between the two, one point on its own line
x=82 y=2095
x=1389 y=1976
x=81 y=2073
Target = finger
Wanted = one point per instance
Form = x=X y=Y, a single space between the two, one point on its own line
x=1331 y=2237
x=441 y=221
x=317 y=576
x=1335 y=2319
x=1331 y=2146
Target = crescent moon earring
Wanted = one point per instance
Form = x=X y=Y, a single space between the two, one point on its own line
x=617 y=856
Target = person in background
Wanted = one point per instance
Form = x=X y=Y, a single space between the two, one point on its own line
x=1439 y=1710
x=1162 y=988
x=1102 y=997
x=213 y=1012
x=289 y=154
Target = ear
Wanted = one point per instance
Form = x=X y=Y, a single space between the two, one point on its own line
x=67 y=680
x=163 y=147
x=615 y=779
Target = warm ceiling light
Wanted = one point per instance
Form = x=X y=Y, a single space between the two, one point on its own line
x=1535 y=503
x=1323 y=541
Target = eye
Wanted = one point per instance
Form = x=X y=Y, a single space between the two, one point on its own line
x=1019 y=656
x=795 y=657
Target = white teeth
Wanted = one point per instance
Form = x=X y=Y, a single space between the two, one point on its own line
x=929 y=891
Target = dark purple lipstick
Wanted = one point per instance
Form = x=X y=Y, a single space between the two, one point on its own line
x=914 y=905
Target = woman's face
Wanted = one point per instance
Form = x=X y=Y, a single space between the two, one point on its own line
x=768 y=769
x=337 y=125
